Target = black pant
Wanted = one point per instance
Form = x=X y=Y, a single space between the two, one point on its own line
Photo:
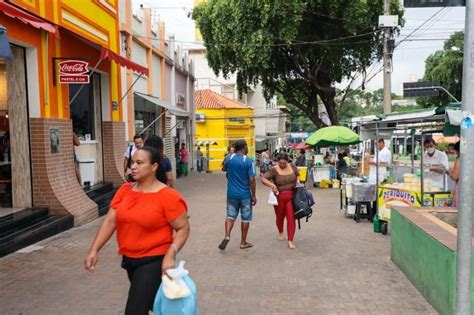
x=145 y=279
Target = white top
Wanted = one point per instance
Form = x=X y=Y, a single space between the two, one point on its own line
x=127 y=152
x=385 y=156
x=438 y=158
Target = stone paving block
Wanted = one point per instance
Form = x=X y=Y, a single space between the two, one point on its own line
x=338 y=267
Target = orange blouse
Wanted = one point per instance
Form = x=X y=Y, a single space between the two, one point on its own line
x=142 y=220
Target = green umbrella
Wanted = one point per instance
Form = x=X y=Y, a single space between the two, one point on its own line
x=334 y=135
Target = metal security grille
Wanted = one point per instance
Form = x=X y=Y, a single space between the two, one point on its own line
x=169 y=145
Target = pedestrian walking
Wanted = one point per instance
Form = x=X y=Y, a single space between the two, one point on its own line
x=241 y=193
x=127 y=160
x=199 y=156
x=164 y=173
x=230 y=151
x=282 y=179
x=265 y=162
x=184 y=159
x=146 y=214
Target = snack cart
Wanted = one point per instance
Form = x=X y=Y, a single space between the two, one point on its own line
x=411 y=188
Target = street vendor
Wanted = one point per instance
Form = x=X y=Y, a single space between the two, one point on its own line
x=384 y=161
x=435 y=163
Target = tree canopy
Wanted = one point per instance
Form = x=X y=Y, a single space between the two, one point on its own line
x=445 y=67
x=297 y=48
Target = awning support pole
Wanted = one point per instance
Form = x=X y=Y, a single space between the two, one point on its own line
x=153 y=122
x=129 y=89
x=175 y=125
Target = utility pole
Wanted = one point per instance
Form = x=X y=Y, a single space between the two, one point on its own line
x=387 y=71
x=466 y=198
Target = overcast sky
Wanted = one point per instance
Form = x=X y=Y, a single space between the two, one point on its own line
x=408 y=59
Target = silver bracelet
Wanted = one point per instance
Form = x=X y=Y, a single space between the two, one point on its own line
x=175 y=248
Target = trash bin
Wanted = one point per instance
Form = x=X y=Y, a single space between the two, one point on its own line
x=303 y=173
x=87 y=170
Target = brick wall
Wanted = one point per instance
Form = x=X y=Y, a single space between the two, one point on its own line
x=114 y=148
x=55 y=185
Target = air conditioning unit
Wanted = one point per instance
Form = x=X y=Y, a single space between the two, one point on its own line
x=180 y=99
x=200 y=117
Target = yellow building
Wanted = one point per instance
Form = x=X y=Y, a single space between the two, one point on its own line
x=223 y=121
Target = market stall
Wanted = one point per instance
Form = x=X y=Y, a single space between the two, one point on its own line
x=408 y=184
x=326 y=137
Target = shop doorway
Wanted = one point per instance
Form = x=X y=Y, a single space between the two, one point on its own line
x=15 y=161
x=86 y=116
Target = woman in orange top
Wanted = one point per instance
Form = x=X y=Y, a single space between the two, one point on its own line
x=145 y=214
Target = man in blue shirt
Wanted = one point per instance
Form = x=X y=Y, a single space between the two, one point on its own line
x=240 y=192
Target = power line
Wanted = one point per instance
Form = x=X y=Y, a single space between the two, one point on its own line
x=332 y=41
x=420 y=26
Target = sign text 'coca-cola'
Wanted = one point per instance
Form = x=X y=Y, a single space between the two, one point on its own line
x=73 y=72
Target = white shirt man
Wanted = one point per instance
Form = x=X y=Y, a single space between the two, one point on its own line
x=384 y=161
x=137 y=144
x=435 y=163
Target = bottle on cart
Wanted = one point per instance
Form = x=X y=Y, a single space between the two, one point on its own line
x=5 y=155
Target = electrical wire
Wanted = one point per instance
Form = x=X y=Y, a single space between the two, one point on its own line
x=332 y=41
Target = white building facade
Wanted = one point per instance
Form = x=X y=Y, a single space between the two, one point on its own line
x=162 y=103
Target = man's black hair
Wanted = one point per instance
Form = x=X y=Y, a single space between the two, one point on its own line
x=240 y=145
x=429 y=141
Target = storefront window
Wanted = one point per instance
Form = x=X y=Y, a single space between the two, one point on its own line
x=83 y=110
x=144 y=119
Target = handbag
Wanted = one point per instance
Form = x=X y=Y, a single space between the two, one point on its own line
x=272 y=199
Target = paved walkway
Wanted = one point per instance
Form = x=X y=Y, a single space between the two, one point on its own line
x=339 y=267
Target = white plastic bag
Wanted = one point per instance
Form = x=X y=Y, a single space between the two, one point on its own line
x=272 y=199
x=175 y=288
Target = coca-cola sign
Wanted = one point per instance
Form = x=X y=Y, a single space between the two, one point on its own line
x=73 y=71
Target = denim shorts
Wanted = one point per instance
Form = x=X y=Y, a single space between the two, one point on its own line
x=244 y=206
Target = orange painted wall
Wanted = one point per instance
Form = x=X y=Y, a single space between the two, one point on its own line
x=94 y=20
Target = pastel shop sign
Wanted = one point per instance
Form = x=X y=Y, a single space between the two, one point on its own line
x=73 y=72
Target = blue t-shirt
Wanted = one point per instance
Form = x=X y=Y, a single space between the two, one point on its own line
x=239 y=170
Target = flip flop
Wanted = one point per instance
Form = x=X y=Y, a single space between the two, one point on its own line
x=224 y=243
x=246 y=245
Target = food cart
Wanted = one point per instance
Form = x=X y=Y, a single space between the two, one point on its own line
x=411 y=188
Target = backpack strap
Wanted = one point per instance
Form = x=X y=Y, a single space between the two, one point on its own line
x=129 y=162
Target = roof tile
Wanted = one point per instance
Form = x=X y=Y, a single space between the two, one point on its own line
x=207 y=99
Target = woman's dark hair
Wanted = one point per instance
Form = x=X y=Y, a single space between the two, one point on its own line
x=457 y=146
x=153 y=154
x=283 y=156
x=154 y=147
x=302 y=151
x=155 y=142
